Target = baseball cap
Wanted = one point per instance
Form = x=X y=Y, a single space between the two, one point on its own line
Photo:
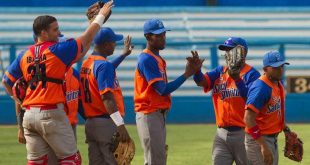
x=233 y=42
x=107 y=35
x=274 y=59
x=154 y=26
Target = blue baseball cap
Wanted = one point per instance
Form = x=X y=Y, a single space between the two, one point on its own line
x=154 y=26
x=107 y=35
x=274 y=59
x=233 y=42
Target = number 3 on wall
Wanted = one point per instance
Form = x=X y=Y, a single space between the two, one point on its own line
x=298 y=84
x=301 y=85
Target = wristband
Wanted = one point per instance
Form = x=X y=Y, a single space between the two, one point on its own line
x=255 y=132
x=117 y=118
x=99 y=19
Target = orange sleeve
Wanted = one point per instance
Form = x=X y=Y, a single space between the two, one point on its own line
x=155 y=80
x=79 y=51
x=105 y=91
x=13 y=79
x=252 y=107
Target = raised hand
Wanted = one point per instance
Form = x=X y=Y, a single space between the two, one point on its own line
x=193 y=65
x=128 y=47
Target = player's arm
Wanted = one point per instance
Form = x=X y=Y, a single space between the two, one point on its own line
x=200 y=80
x=243 y=85
x=7 y=87
x=105 y=76
x=87 y=37
x=258 y=96
x=110 y=105
x=151 y=71
x=19 y=118
x=164 y=88
x=126 y=51
x=249 y=118
x=12 y=73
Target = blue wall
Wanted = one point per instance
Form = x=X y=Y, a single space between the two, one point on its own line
x=72 y=3
x=196 y=109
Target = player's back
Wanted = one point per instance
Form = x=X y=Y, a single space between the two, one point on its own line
x=93 y=86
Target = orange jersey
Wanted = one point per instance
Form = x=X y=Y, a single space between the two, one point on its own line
x=151 y=68
x=268 y=101
x=55 y=59
x=98 y=77
x=72 y=86
x=229 y=96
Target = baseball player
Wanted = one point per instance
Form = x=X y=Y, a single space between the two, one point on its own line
x=73 y=105
x=102 y=97
x=43 y=67
x=265 y=111
x=229 y=93
x=73 y=101
x=152 y=93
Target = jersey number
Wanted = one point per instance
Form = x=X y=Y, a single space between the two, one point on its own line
x=32 y=70
x=87 y=95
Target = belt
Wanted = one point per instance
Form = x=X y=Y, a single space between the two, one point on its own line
x=105 y=116
x=231 y=128
x=275 y=135
x=44 y=107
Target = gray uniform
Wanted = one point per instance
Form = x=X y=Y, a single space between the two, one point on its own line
x=48 y=129
x=228 y=146
x=152 y=133
x=52 y=158
x=99 y=132
x=254 y=153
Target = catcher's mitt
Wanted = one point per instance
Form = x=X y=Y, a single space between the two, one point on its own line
x=235 y=58
x=19 y=90
x=94 y=9
x=293 y=146
x=123 y=151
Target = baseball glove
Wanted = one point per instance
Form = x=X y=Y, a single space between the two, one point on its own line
x=19 y=90
x=293 y=146
x=123 y=151
x=235 y=58
x=94 y=9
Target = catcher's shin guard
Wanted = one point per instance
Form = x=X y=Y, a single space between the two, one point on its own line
x=40 y=161
x=75 y=159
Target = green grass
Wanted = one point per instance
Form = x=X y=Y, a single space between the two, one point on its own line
x=188 y=145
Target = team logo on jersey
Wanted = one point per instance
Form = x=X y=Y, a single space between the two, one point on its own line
x=72 y=95
x=224 y=91
x=275 y=105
